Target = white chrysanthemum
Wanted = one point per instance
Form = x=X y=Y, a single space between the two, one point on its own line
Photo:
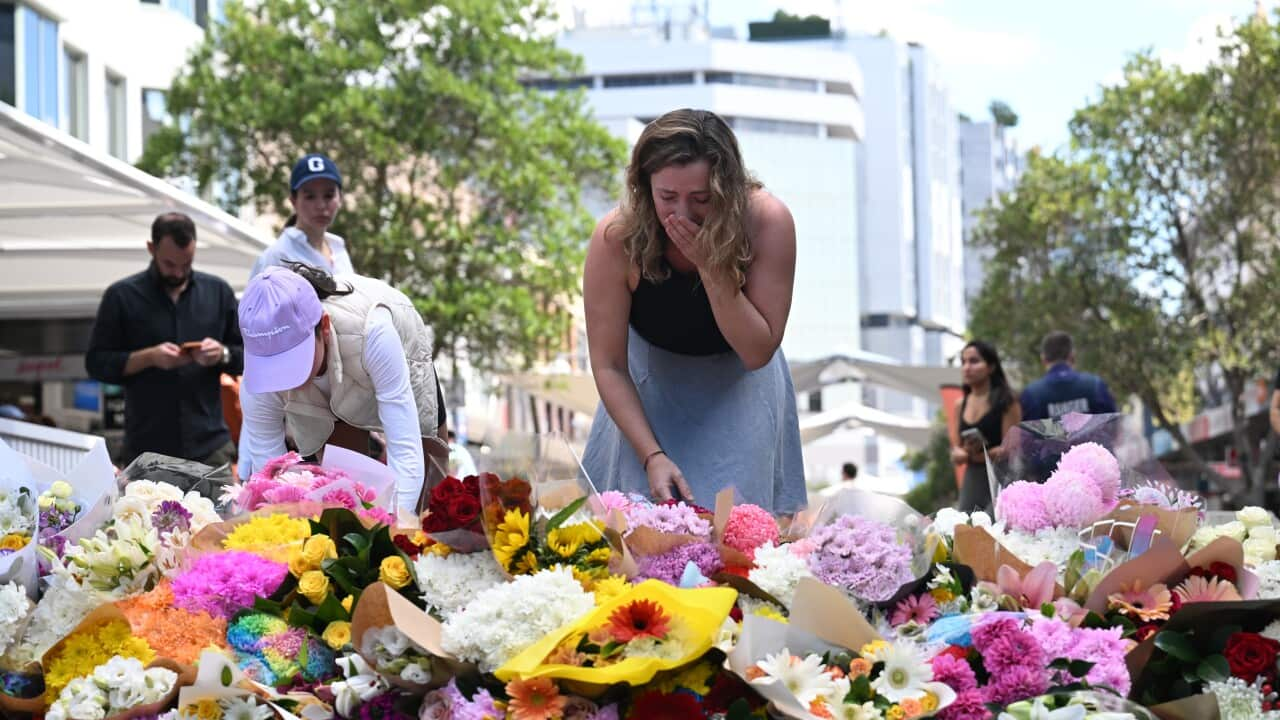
x=449 y=583
x=805 y=678
x=507 y=618
x=904 y=675
x=946 y=520
x=64 y=605
x=14 y=606
x=778 y=571
x=1238 y=700
x=17 y=513
x=1053 y=545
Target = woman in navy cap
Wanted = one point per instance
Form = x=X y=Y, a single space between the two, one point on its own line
x=315 y=191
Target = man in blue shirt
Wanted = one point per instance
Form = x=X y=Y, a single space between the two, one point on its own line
x=1063 y=389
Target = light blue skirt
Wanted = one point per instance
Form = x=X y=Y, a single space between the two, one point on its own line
x=722 y=425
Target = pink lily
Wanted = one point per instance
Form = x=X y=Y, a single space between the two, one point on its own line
x=1029 y=592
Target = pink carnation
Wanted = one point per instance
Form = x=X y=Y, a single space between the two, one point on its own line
x=277 y=465
x=1071 y=499
x=968 y=705
x=614 y=500
x=749 y=527
x=1021 y=507
x=1016 y=683
x=377 y=515
x=1096 y=462
x=340 y=498
x=284 y=494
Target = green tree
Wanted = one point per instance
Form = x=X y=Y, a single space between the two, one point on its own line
x=1003 y=114
x=1155 y=239
x=939 y=487
x=463 y=181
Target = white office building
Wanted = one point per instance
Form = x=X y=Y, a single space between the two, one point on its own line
x=98 y=69
x=989 y=165
x=798 y=117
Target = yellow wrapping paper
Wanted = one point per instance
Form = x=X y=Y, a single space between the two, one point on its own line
x=701 y=610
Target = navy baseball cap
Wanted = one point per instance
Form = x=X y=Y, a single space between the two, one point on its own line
x=311 y=167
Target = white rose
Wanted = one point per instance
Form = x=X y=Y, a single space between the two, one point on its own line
x=1252 y=516
x=415 y=673
x=1234 y=530
x=1264 y=532
x=946 y=520
x=60 y=489
x=1261 y=549
x=1205 y=535
x=131 y=507
x=980 y=519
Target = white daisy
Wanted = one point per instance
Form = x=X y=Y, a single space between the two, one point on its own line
x=904 y=675
x=806 y=678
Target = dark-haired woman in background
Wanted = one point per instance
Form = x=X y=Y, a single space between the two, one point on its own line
x=315 y=191
x=329 y=358
x=982 y=418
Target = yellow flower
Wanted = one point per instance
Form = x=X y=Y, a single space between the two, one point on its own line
x=767 y=610
x=319 y=548
x=563 y=542
x=438 y=548
x=929 y=702
x=895 y=712
x=873 y=649
x=610 y=587
x=940 y=554
x=337 y=634
x=942 y=595
x=346 y=602
x=84 y=651
x=203 y=709
x=599 y=556
x=420 y=538
x=526 y=564
x=271 y=536
x=511 y=538
x=14 y=541
x=393 y=572
x=314 y=586
x=583 y=533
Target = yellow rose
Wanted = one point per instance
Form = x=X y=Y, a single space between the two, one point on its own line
x=317 y=549
x=337 y=634
x=346 y=602
x=297 y=565
x=13 y=541
x=313 y=585
x=393 y=572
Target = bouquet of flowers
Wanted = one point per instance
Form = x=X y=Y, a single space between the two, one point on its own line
x=115 y=687
x=19 y=521
x=527 y=537
x=1083 y=488
x=650 y=628
x=119 y=559
x=287 y=479
x=453 y=514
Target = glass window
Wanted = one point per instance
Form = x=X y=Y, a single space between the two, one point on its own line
x=186 y=8
x=154 y=114
x=781 y=127
x=8 y=61
x=77 y=94
x=763 y=81
x=39 y=65
x=116 y=117
x=620 y=81
x=559 y=83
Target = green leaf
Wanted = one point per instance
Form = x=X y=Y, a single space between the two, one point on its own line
x=226 y=677
x=1079 y=668
x=565 y=513
x=1177 y=645
x=1213 y=669
x=1048 y=610
x=860 y=690
x=358 y=542
x=740 y=709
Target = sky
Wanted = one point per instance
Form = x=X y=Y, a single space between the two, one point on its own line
x=1045 y=59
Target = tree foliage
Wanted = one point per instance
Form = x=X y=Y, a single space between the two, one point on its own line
x=1003 y=114
x=463 y=182
x=1155 y=239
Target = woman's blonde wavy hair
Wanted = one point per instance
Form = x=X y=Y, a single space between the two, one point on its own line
x=679 y=138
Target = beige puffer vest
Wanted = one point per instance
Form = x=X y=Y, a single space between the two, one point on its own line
x=310 y=416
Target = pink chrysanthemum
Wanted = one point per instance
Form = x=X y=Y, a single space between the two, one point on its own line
x=749 y=527
x=921 y=609
x=224 y=583
x=1016 y=683
x=284 y=494
x=1071 y=499
x=955 y=673
x=1096 y=462
x=1021 y=507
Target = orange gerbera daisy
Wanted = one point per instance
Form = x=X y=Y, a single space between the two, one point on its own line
x=639 y=618
x=536 y=699
x=1197 y=589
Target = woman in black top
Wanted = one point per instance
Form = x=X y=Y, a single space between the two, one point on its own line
x=687 y=289
x=982 y=419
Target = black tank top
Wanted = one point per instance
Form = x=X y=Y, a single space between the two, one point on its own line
x=675 y=315
x=991 y=424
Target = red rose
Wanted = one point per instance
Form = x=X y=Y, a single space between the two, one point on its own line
x=957 y=652
x=406 y=545
x=1250 y=655
x=448 y=488
x=462 y=510
x=1224 y=571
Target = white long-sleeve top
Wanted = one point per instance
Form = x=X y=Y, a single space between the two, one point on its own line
x=262 y=434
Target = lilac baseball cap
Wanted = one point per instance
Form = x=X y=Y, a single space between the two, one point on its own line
x=279 y=312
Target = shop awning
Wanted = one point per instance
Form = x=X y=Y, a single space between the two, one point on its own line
x=909 y=431
x=73 y=220
x=922 y=381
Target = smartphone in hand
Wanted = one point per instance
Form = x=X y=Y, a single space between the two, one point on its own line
x=972 y=435
x=190 y=347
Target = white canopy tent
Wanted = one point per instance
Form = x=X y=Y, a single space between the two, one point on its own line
x=73 y=220
x=922 y=381
x=909 y=431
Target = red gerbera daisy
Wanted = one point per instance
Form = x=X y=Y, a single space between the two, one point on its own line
x=639 y=618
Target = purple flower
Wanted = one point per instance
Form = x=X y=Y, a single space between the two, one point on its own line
x=862 y=556
x=954 y=672
x=1012 y=651
x=223 y=583
x=669 y=566
x=991 y=630
x=674 y=518
x=171 y=516
x=54 y=521
x=384 y=707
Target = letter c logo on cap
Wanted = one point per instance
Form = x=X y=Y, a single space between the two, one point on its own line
x=315 y=164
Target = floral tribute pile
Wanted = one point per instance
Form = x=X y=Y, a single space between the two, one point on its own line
x=1083 y=597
